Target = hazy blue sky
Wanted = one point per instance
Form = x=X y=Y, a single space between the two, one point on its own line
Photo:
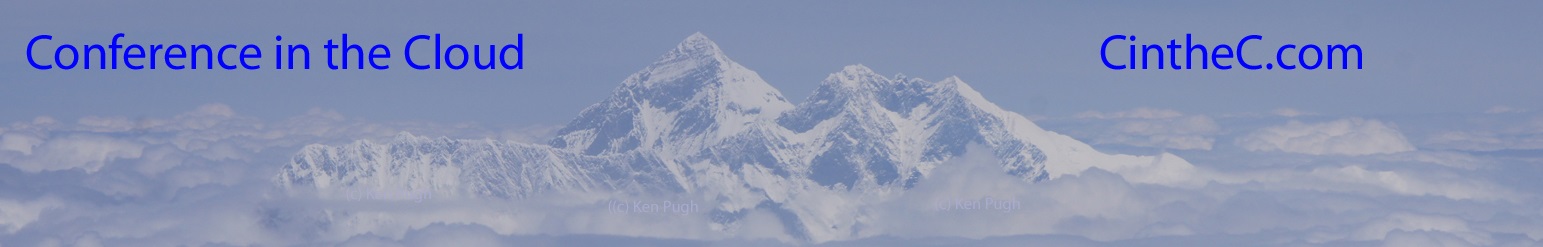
x=1438 y=140
x=1034 y=58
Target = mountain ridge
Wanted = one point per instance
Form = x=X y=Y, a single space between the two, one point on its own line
x=698 y=123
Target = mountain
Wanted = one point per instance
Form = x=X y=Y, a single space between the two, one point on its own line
x=864 y=129
x=691 y=98
x=449 y=167
x=696 y=123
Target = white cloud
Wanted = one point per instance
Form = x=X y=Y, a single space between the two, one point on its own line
x=1290 y=112
x=1151 y=127
x=40 y=123
x=211 y=132
x=1327 y=204
x=1380 y=229
x=1351 y=136
x=1500 y=109
x=85 y=151
x=1187 y=132
x=202 y=178
x=1138 y=113
x=19 y=142
x=1491 y=133
x=190 y=179
x=1484 y=140
x=1404 y=182
x=15 y=215
x=1402 y=238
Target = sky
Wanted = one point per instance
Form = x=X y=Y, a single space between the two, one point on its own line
x=1437 y=142
x=1037 y=58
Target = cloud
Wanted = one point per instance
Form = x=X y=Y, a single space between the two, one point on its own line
x=202 y=178
x=1500 y=109
x=1138 y=113
x=1324 y=204
x=1401 y=238
x=19 y=142
x=190 y=179
x=15 y=215
x=1290 y=112
x=83 y=151
x=1187 y=132
x=1380 y=229
x=1405 y=182
x=1493 y=132
x=1350 y=136
x=529 y=134
x=1485 y=140
x=1151 y=127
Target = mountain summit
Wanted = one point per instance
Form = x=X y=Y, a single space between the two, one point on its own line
x=691 y=98
x=698 y=125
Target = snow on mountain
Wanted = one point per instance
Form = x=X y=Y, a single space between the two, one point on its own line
x=448 y=167
x=697 y=123
x=691 y=98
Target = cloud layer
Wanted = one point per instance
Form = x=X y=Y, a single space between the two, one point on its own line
x=1152 y=127
x=202 y=177
x=1350 y=136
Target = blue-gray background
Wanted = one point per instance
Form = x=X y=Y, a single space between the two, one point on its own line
x=1033 y=58
x=1438 y=140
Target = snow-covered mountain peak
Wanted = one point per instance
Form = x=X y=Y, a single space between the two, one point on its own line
x=404 y=136
x=693 y=97
x=698 y=44
x=954 y=87
x=855 y=76
x=696 y=123
x=699 y=67
x=696 y=53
